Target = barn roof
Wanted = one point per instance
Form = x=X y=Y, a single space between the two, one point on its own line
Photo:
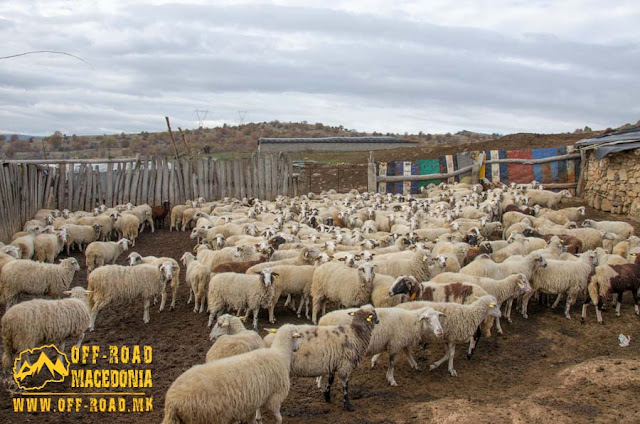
x=334 y=140
x=612 y=142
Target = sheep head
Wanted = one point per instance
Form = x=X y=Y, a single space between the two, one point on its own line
x=268 y=277
x=431 y=318
x=134 y=258
x=404 y=284
x=365 y=314
x=167 y=269
x=367 y=273
x=72 y=262
x=124 y=243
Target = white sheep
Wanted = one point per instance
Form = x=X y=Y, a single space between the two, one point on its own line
x=330 y=350
x=232 y=389
x=47 y=247
x=26 y=242
x=417 y=265
x=36 y=278
x=127 y=226
x=294 y=280
x=623 y=229
x=459 y=323
x=240 y=291
x=483 y=266
x=111 y=283
x=344 y=285
x=547 y=198
x=380 y=296
x=99 y=253
x=39 y=321
x=398 y=331
x=135 y=258
x=80 y=235
x=562 y=277
x=230 y=338
x=197 y=278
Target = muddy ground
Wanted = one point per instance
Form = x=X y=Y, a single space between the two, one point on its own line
x=544 y=369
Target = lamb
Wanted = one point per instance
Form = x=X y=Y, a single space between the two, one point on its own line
x=294 y=280
x=613 y=279
x=399 y=330
x=560 y=277
x=8 y=254
x=79 y=235
x=230 y=338
x=47 y=247
x=417 y=265
x=436 y=292
x=242 y=267
x=127 y=226
x=623 y=248
x=349 y=287
x=197 y=278
x=306 y=256
x=241 y=291
x=459 y=323
x=159 y=213
x=29 y=277
x=483 y=247
x=37 y=322
x=623 y=229
x=327 y=350
x=380 y=295
x=136 y=259
x=26 y=242
x=216 y=392
x=547 y=198
x=104 y=252
x=483 y=266
x=111 y=283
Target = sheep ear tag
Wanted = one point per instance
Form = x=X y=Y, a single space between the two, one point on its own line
x=370 y=318
x=492 y=305
x=424 y=259
x=352 y=313
x=520 y=284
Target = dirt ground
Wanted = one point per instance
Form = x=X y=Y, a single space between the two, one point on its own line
x=542 y=370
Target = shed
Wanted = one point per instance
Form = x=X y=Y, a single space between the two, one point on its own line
x=332 y=144
x=611 y=171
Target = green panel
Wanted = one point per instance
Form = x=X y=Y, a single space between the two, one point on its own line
x=428 y=166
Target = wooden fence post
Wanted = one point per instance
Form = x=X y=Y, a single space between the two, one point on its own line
x=371 y=175
x=477 y=166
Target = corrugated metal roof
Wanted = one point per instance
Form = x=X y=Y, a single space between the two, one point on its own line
x=335 y=140
x=613 y=142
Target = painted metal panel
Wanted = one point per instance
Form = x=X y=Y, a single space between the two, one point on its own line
x=406 y=186
x=519 y=173
x=415 y=170
x=391 y=170
x=397 y=188
x=429 y=166
x=571 y=167
x=546 y=172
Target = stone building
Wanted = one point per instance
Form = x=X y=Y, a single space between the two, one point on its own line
x=332 y=144
x=611 y=172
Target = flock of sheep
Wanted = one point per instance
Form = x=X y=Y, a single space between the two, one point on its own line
x=398 y=271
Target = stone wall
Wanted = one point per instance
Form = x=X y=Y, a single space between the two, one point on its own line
x=613 y=183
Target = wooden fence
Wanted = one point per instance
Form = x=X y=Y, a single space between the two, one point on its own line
x=26 y=186
x=555 y=168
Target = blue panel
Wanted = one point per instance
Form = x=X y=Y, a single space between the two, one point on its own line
x=504 y=170
x=391 y=170
x=415 y=170
x=538 y=170
x=399 y=171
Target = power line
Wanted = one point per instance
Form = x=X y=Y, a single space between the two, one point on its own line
x=47 y=51
x=242 y=114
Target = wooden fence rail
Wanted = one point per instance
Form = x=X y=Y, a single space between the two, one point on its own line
x=28 y=186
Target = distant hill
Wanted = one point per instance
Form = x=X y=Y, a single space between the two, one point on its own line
x=20 y=136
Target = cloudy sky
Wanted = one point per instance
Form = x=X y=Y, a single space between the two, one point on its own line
x=371 y=65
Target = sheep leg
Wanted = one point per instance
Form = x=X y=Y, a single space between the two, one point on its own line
x=508 y=310
x=585 y=305
x=212 y=316
x=412 y=362
x=635 y=302
x=326 y=391
x=452 y=352
x=288 y=301
x=306 y=308
x=299 y=311
x=202 y=300
x=80 y=339
x=618 y=305
x=163 y=298
x=94 y=314
x=255 y=318
x=272 y=305
x=174 y=291
x=153 y=230
x=273 y=404
x=147 y=306
x=441 y=360
x=567 y=306
x=557 y=302
x=599 y=315
x=525 y=303
x=498 y=326
x=316 y=309
x=374 y=359
x=390 y=379
x=190 y=296
x=345 y=393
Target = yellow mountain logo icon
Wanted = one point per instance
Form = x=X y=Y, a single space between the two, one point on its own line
x=36 y=375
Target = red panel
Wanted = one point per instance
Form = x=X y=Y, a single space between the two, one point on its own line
x=519 y=173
